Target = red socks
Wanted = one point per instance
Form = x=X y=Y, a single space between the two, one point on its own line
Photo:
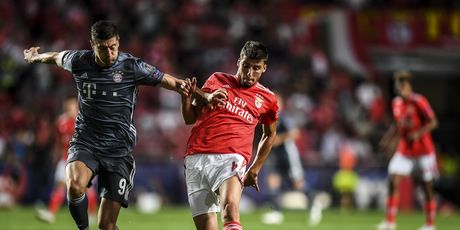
x=57 y=198
x=233 y=225
x=92 y=201
x=430 y=212
x=392 y=209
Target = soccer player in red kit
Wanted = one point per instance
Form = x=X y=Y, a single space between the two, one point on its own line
x=220 y=144
x=65 y=128
x=415 y=120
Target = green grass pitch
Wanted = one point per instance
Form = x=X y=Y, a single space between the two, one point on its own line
x=178 y=218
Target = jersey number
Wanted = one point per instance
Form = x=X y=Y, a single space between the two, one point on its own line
x=122 y=185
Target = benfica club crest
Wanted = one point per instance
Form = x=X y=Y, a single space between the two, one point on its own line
x=258 y=101
x=117 y=76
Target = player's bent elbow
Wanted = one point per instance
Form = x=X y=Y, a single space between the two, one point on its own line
x=435 y=123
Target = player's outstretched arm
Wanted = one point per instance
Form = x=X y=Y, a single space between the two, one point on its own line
x=31 y=55
x=431 y=125
x=190 y=111
x=389 y=140
x=191 y=108
x=172 y=83
x=184 y=88
x=265 y=146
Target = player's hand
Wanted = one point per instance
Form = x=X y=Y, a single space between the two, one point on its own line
x=388 y=147
x=294 y=134
x=250 y=180
x=217 y=97
x=415 y=135
x=188 y=87
x=30 y=54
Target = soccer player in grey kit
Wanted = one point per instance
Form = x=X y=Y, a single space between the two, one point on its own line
x=105 y=135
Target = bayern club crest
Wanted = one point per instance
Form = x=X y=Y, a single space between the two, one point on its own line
x=258 y=101
x=117 y=77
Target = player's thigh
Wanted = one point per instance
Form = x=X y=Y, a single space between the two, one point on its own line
x=400 y=165
x=116 y=178
x=230 y=191
x=82 y=166
x=201 y=198
x=202 y=202
x=223 y=167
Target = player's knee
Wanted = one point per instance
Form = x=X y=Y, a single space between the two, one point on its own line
x=76 y=187
x=395 y=181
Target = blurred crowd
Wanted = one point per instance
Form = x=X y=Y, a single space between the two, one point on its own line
x=338 y=111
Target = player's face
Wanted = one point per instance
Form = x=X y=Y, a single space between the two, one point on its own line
x=106 y=51
x=250 y=70
x=403 y=87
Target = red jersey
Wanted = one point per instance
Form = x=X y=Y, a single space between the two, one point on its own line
x=65 y=128
x=410 y=115
x=230 y=128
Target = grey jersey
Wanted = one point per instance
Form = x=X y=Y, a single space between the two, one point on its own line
x=106 y=97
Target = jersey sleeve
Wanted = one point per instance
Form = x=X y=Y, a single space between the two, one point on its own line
x=272 y=114
x=146 y=74
x=424 y=107
x=68 y=57
x=213 y=83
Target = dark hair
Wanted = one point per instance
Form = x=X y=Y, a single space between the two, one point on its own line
x=254 y=50
x=103 y=30
x=402 y=75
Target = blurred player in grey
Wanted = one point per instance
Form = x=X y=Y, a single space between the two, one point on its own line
x=283 y=164
x=104 y=136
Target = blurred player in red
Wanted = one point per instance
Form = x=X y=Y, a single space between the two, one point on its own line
x=65 y=128
x=415 y=120
x=221 y=141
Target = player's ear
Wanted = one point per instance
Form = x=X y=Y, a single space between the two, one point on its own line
x=264 y=68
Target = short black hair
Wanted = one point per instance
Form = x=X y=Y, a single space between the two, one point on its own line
x=103 y=30
x=254 y=50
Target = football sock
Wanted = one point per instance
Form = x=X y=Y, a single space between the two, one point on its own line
x=79 y=210
x=430 y=212
x=57 y=197
x=232 y=225
x=392 y=209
